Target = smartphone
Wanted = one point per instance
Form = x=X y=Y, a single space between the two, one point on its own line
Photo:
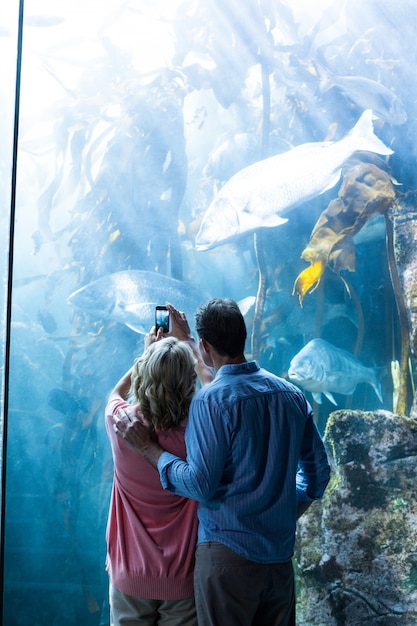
x=162 y=318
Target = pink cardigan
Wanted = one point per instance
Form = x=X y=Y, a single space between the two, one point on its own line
x=151 y=533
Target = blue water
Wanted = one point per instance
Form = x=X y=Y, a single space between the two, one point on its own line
x=133 y=117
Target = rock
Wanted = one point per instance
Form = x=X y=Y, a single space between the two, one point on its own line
x=356 y=550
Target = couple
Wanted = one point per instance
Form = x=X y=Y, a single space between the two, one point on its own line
x=254 y=463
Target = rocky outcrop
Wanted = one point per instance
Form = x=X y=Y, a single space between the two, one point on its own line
x=356 y=550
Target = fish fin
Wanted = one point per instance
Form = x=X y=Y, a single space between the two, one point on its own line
x=136 y=308
x=249 y=219
x=378 y=390
x=274 y=220
x=246 y=304
x=380 y=372
x=364 y=136
x=137 y=328
x=317 y=396
x=333 y=182
x=330 y=397
x=325 y=77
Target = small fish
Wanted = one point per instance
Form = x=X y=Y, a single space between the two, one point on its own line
x=384 y=64
x=47 y=321
x=320 y=367
x=129 y=297
x=261 y=194
x=364 y=92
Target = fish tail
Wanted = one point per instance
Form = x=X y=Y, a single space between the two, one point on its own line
x=379 y=373
x=378 y=390
x=364 y=136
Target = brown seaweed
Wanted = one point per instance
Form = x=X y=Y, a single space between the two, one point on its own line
x=366 y=189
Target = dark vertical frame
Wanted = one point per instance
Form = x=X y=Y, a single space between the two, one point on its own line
x=9 y=298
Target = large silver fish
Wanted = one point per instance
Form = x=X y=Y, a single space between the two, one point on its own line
x=321 y=368
x=366 y=93
x=129 y=297
x=259 y=196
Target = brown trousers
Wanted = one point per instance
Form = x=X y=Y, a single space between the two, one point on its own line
x=232 y=591
x=131 y=611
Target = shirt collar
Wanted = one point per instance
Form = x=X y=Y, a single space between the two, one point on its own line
x=238 y=368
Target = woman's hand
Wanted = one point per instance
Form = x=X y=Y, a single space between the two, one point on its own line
x=179 y=324
x=181 y=330
x=152 y=336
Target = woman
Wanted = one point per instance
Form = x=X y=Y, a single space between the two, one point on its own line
x=151 y=533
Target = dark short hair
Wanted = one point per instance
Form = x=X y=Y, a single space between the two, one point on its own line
x=221 y=323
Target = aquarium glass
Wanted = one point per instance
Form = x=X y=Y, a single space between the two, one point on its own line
x=9 y=53
x=157 y=161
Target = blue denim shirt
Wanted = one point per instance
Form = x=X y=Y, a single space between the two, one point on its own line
x=253 y=450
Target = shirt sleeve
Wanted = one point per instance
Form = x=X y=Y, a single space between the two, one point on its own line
x=207 y=441
x=313 y=469
x=170 y=467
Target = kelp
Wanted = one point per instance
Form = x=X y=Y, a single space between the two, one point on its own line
x=366 y=189
x=400 y=373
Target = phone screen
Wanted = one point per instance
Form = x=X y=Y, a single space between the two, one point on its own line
x=162 y=318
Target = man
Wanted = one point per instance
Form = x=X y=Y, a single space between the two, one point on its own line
x=255 y=462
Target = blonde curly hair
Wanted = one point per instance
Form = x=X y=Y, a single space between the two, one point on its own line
x=163 y=382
